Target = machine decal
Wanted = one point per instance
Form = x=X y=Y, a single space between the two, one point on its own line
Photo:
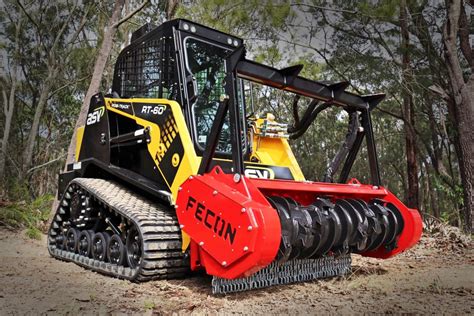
x=157 y=113
x=259 y=173
x=170 y=150
x=122 y=106
x=94 y=117
x=211 y=220
x=154 y=109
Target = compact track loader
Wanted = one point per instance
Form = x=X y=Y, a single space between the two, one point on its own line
x=173 y=175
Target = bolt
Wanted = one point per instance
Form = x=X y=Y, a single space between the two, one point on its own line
x=214 y=192
x=181 y=226
x=249 y=228
x=180 y=188
x=190 y=177
x=201 y=243
x=224 y=263
x=243 y=210
x=176 y=206
x=246 y=248
x=236 y=177
x=375 y=187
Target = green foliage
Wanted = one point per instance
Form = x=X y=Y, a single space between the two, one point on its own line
x=27 y=214
x=33 y=233
x=149 y=305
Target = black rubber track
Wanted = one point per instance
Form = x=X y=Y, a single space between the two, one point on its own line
x=157 y=225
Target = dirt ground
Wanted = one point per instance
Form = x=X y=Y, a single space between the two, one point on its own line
x=435 y=277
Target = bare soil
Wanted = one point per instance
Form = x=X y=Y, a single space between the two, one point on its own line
x=437 y=276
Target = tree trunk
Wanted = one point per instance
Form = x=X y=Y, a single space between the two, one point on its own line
x=412 y=194
x=9 y=106
x=9 y=103
x=463 y=92
x=99 y=66
x=433 y=193
x=43 y=99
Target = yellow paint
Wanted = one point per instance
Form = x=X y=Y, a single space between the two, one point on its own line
x=275 y=152
x=79 y=136
x=175 y=160
x=189 y=162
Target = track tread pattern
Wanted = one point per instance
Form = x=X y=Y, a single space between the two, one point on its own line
x=162 y=256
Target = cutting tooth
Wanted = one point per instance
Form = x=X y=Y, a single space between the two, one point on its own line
x=59 y=218
x=67 y=195
x=64 y=203
x=55 y=225
x=62 y=211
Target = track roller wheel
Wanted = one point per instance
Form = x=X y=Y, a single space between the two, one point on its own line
x=72 y=238
x=134 y=248
x=99 y=246
x=116 y=250
x=85 y=243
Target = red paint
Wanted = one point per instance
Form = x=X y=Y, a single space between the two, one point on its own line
x=253 y=237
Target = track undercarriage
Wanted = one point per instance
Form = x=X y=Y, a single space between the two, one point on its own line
x=104 y=227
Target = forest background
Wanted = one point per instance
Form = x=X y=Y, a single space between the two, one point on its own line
x=55 y=54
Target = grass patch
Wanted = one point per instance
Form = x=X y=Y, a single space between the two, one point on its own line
x=27 y=214
x=149 y=305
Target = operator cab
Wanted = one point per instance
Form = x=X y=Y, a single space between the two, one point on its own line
x=182 y=61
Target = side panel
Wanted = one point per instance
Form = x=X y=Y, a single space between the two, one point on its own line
x=96 y=132
x=276 y=152
x=170 y=145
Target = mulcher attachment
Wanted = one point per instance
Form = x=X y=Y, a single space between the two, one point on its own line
x=293 y=271
x=252 y=233
x=348 y=225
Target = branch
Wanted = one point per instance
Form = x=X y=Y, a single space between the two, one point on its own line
x=131 y=14
x=65 y=86
x=5 y=100
x=38 y=33
x=323 y=8
x=439 y=91
x=63 y=29
x=463 y=33
x=390 y=113
x=46 y=163
x=81 y=24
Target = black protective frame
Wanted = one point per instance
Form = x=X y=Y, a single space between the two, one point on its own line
x=287 y=79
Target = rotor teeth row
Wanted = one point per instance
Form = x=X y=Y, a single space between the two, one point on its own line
x=348 y=225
